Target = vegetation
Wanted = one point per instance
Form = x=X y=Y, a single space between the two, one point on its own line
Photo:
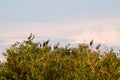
x=34 y=61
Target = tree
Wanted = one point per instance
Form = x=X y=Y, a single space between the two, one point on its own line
x=31 y=61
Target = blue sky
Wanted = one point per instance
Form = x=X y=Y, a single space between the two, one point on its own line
x=72 y=21
x=56 y=10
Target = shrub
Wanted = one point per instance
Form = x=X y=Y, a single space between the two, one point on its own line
x=31 y=61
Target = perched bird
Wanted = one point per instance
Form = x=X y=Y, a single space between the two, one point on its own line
x=45 y=43
x=30 y=36
x=56 y=45
x=111 y=49
x=40 y=45
x=91 y=42
x=98 y=46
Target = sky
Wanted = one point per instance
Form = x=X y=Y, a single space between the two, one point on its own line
x=74 y=21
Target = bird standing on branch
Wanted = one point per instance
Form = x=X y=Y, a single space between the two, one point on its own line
x=98 y=46
x=56 y=45
x=45 y=43
x=91 y=42
x=40 y=45
x=30 y=36
x=111 y=49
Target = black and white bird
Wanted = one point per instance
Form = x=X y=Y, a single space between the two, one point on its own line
x=98 y=46
x=111 y=49
x=45 y=43
x=56 y=45
x=40 y=44
x=30 y=36
x=91 y=42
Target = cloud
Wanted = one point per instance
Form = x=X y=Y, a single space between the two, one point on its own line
x=108 y=38
x=10 y=40
x=105 y=31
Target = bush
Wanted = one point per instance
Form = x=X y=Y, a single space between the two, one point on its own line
x=31 y=61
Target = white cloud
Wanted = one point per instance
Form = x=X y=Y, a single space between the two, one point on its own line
x=108 y=38
x=105 y=31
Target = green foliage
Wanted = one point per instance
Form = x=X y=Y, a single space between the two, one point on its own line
x=29 y=61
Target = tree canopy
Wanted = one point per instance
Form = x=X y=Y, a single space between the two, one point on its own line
x=31 y=60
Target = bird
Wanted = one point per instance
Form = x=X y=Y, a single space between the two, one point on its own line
x=111 y=49
x=45 y=43
x=40 y=45
x=98 y=46
x=91 y=42
x=30 y=36
x=56 y=45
